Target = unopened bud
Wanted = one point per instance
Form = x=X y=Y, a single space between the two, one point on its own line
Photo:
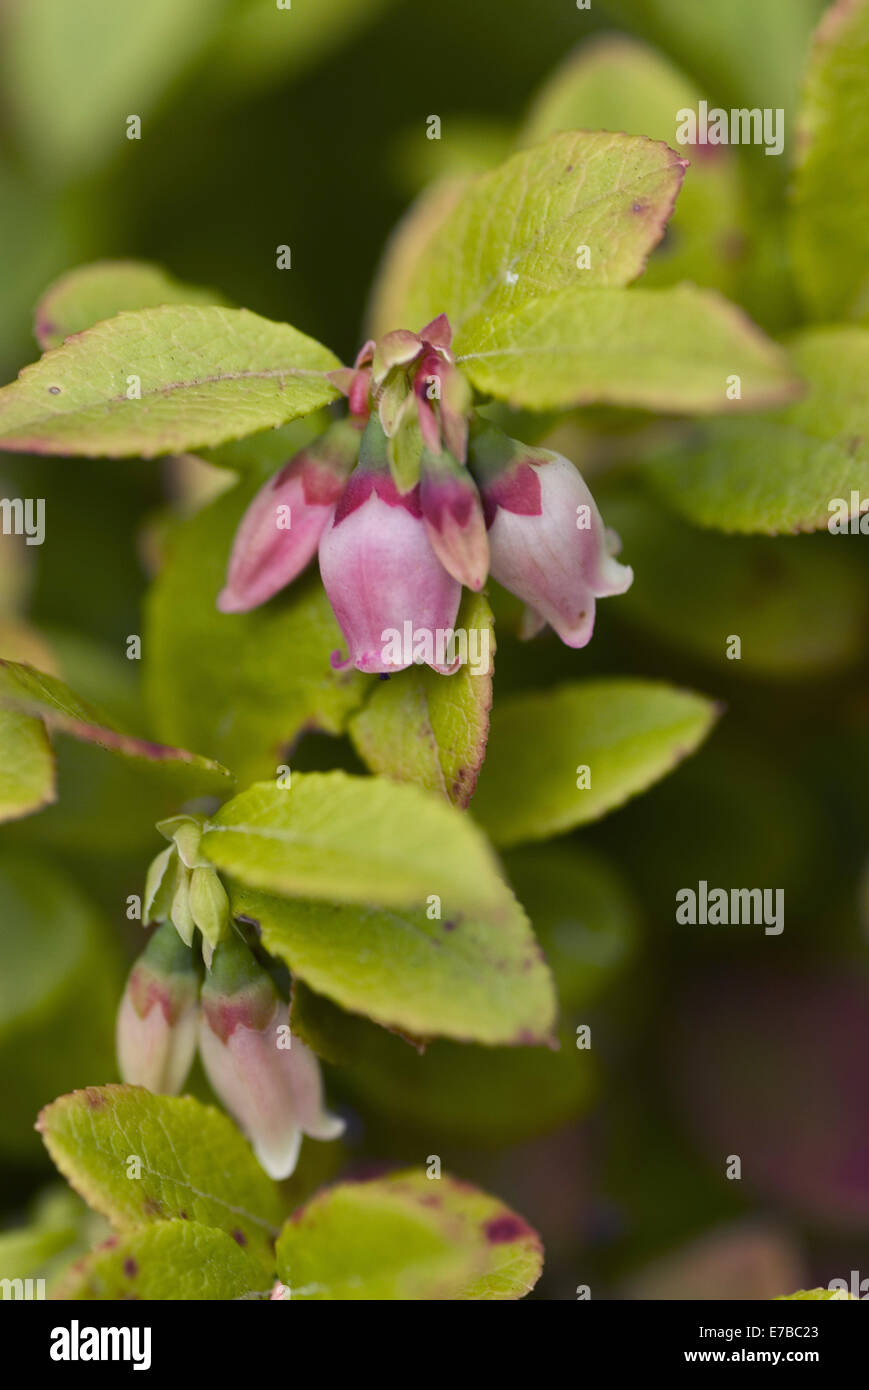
x=156 y=1025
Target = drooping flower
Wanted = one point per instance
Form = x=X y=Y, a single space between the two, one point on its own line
x=453 y=517
x=156 y=1024
x=417 y=518
x=268 y=1079
x=547 y=541
x=279 y=533
x=378 y=566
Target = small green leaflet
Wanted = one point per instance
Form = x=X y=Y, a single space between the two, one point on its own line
x=407 y=1237
x=192 y=1163
x=627 y=733
x=165 y=380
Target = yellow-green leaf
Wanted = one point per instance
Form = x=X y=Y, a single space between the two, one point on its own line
x=430 y=972
x=354 y=839
x=160 y=381
x=616 y=83
x=408 y=1237
x=182 y=1260
x=781 y=471
x=560 y=758
x=515 y=234
x=139 y=1158
x=676 y=349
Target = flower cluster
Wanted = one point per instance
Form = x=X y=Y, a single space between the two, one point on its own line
x=412 y=496
x=267 y=1078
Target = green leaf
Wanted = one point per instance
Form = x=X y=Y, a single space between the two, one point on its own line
x=780 y=472
x=27 y=781
x=33 y=693
x=194 y=1163
x=514 y=233
x=205 y=375
x=408 y=1237
x=182 y=1260
x=431 y=729
x=629 y=733
x=243 y=685
x=797 y=606
x=86 y=296
x=830 y=241
x=666 y=349
x=615 y=83
x=74 y=73
x=354 y=839
x=474 y=978
x=59 y=986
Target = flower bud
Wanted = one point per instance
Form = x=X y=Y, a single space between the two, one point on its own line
x=378 y=566
x=183 y=887
x=156 y=1025
x=279 y=532
x=547 y=542
x=267 y=1079
x=209 y=908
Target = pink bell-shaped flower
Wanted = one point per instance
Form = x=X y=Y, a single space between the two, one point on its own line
x=383 y=579
x=279 y=533
x=548 y=544
x=156 y=1025
x=453 y=516
x=268 y=1079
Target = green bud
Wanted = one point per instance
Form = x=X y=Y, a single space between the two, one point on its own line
x=185 y=832
x=181 y=915
x=160 y=884
x=209 y=906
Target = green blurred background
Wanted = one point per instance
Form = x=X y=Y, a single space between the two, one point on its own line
x=706 y=1042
